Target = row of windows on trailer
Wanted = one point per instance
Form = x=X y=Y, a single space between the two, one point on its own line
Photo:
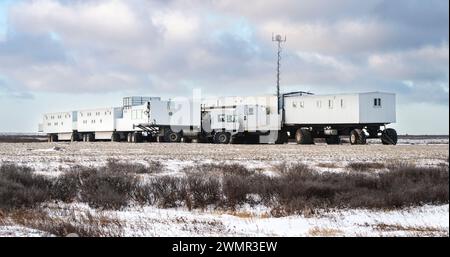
x=89 y=114
x=57 y=116
x=68 y=115
x=301 y=104
x=55 y=123
x=135 y=115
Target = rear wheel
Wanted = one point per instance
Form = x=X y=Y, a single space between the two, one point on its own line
x=389 y=137
x=222 y=138
x=172 y=136
x=52 y=138
x=304 y=137
x=90 y=137
x=357 y=137
x=333 y=140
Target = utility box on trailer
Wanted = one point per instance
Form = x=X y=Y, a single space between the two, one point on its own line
x=268 y=102
x=133 y=115
x=176 y=113
x=360 y=108
x=241 y=118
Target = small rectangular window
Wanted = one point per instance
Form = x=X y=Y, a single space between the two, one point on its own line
x=342 y=103
x=377 y=102
x=294 y=104
x=302 y=104
x=221 y=118
x=250 y=111
x=319 y=104
x=330 y=104
x=231 y=118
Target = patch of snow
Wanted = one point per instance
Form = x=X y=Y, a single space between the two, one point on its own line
x=19 y=231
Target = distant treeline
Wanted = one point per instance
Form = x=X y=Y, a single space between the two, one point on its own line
x=22 y=138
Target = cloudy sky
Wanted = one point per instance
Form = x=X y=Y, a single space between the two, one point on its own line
x=66 y=54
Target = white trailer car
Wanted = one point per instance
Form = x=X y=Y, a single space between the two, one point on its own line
x=359 y=115
x=59 y=125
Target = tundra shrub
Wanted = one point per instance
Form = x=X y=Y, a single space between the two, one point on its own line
x=168 y=192
x=203 y=191
x=114 y=166
x=19 y=188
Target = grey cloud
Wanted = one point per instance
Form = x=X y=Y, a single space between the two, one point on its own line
x=169 y=47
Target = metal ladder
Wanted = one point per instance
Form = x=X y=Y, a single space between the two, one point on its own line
x=149 y=128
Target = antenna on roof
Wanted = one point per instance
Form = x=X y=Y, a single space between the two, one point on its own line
x=279 y=39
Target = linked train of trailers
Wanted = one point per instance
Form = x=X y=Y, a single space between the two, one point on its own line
x=222 y=120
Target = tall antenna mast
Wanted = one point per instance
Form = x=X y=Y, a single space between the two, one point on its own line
x=279 y=39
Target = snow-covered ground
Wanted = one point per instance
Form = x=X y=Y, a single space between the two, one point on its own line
x=149 y=221
x=53 y=158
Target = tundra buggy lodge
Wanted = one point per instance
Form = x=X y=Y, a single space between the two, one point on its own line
x=262 y=119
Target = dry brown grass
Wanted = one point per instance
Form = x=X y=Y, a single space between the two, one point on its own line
x=365 y=166
x=329 y=165
x=84 y=224
x=414 y=230
x=324 y=232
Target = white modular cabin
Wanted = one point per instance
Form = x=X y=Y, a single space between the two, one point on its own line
x=358 y=108
x=101 y=121
x=241 y=118
x=60 y=123
x=269 y=102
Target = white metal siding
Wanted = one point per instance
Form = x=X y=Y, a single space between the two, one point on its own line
x=322 y=109
x=102 y=119
x=132 y=116
x=269 y=101
x=175 y=113
x=58 y=122
x=371 y=113
x=340 y=109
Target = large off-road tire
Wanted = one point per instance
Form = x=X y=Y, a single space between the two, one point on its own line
x=357 y=137
x=389 y=137
x=333 y=140
x=222 y=138
x=282 y=137
x=303 y=137
x=52 y=138
x=115 y=137
x=90 y=137
x=172 y=136
x=136 y=137
x=75 y=137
